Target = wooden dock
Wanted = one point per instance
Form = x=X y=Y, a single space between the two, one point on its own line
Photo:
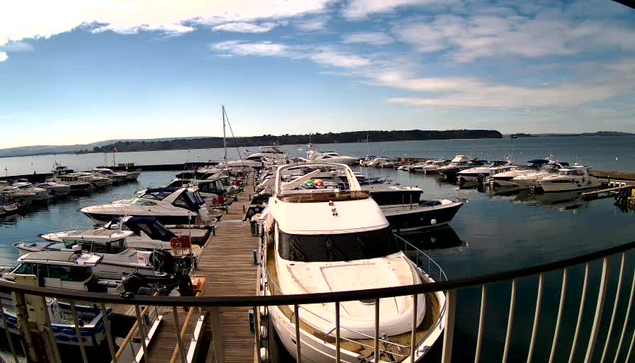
x=227 y=264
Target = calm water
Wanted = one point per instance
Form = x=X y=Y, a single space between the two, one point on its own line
x=602 y=153
x=489 y=234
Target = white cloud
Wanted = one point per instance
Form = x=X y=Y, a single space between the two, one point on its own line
x=338 y=59
x=374 y=38
x=361 y=9
x=245 y=27
x=548 y=33
x=262 y=49
x=475 y=93
x=168 y=29
x=3 y=56
x=313 y=24
x=27 y=19
x=16 y=47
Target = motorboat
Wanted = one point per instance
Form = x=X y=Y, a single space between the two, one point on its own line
x=384 y=162
x=90 y=318
x=460 y=162
x=167 y=205
x=329 y=157
x=77 y=182
x=7 y=209
x=406 y=211
x=329 y=239
x=14 y=195
x=140 y=233
x=483 y=172
x=572 y=178
x=431 y=167
x=530 y=180
x=55 y=189
x=41 y=195
x=525 y=178
x=116 y=178
x=421 y=167
x=96 y=180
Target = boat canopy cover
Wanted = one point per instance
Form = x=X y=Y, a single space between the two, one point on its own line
x=538 y=162
x=149 y=225
x=158 y=193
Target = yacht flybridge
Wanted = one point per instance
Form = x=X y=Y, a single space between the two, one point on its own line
x=167 y=205
x=329 y=236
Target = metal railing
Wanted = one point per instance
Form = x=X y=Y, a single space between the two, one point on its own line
x=600 y=346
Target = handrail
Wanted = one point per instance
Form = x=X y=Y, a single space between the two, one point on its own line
x=317 y=298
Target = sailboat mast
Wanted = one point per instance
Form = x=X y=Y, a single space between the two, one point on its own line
x=224 y=135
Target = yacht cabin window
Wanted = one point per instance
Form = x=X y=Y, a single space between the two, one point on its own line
x=337 y=247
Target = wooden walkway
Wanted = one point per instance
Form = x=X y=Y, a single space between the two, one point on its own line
x=227 y=264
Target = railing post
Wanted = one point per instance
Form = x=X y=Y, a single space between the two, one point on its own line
x=257 y=331
x=563 y=294
x=51 y=335
x=177 y=328
x=298 y=349
x=510 y=319
x=413 y=335
x=142 y=330
x=6 y=330
x=337 y=332
x=448 y=334
x=80 y=339
x=615 y=305
x=628 y=313
x=576 y=335
x=481 y=324
x=23 y=325
x=534 y=330
x=108 y=332
x=217 y=334
x=604 y=282
x=376 y=330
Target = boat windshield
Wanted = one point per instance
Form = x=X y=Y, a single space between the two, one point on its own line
x=143 y=201
x=337 y=247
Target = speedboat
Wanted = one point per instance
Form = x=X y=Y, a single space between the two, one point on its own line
x=55 y=189
x=13 y=195
x=330 y=239
x=482 y=172
x=77 y=182
x=116 y=178
x=7 y=209
x=431 y=167
x=96 y=180
x=460 y=162
x=330 y=157
x=167 y=205
x=40 y=194
x=572 y=178
x=524 y=178
x=140 y=233
x=420 y=167
x=406 y=211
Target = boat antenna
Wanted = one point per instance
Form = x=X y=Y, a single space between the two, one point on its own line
x=224 y=134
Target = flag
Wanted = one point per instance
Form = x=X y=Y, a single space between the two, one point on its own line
x=116 y=150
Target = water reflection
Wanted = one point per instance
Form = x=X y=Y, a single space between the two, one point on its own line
x=562 y=201
x=437 y=238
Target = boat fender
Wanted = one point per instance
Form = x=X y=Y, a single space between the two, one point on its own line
x=263 y=332
x=264 y=354
x=433 y=221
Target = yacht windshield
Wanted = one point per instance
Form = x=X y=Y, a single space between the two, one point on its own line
x=143 y=201
x=337 y=247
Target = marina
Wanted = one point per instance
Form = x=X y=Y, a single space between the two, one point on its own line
x=226 y=263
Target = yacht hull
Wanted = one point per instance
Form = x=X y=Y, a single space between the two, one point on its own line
x=103 y=218
x=318 y=351
x=404 y=219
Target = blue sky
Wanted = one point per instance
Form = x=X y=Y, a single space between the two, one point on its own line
x=78 y=71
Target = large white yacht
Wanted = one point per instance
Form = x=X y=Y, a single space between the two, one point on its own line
x=572 y=178
x=115 y=177
x=167 y=205
x=333 y=238
x=525 y=178
x=484 y=171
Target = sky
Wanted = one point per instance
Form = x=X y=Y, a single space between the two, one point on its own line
x=80 y=71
